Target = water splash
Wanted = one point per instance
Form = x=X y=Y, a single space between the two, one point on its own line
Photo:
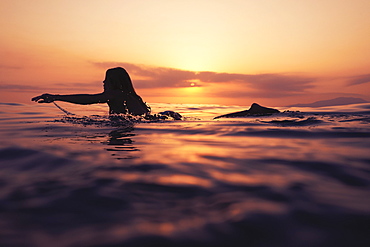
x=97 y=120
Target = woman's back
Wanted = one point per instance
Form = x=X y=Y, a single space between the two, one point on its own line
x=123 y=98
x=120 y=102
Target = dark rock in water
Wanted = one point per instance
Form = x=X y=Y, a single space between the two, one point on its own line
x=255 y=109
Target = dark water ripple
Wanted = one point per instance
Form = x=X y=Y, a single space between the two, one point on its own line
x=57 y=200
x=294 y=180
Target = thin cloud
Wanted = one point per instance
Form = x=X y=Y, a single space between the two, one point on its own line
x=49 y=87
x=160 y=77
x=17 y=87
x=78 y=85
x=10 y=67
x=360 y=79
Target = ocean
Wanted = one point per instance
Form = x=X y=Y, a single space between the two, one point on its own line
x=297 y=178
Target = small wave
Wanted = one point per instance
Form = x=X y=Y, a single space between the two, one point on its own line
x=306 y=134
x=363 y=120
x=11 y=104
x=295 y=122
x=24 y=159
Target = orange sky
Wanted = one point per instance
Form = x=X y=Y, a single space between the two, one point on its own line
x=233 y=51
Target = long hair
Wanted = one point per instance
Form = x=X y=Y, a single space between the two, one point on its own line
x=119 y=79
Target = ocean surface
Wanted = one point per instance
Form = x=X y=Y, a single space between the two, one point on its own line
x=297 y=178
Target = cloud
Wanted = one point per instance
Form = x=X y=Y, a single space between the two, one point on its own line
x=360 y=79
x=18 y=87
x=245 y=84
x=10 y=67
x=276 y=82
x=77 y=85
x=64 y=87
x=155 y=77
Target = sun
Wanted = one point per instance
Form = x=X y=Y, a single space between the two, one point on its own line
x=193 y=83
x=194 y=88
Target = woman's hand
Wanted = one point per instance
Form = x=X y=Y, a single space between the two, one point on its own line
x=44 y=98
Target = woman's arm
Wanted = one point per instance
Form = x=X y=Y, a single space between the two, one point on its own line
x=82 y=99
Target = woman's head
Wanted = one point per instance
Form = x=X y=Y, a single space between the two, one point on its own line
x=118 y=79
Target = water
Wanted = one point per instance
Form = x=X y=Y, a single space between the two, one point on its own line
x=291 y=179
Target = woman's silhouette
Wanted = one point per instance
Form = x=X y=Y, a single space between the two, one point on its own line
x=118 y=93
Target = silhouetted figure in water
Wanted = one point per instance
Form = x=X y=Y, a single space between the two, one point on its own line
x=118 y=93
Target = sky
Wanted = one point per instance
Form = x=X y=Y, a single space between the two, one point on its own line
x=231 y=52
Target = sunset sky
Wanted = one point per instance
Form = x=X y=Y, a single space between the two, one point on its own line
x=274 y=52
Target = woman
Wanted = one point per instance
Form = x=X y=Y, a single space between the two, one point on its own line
x=118 y=93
